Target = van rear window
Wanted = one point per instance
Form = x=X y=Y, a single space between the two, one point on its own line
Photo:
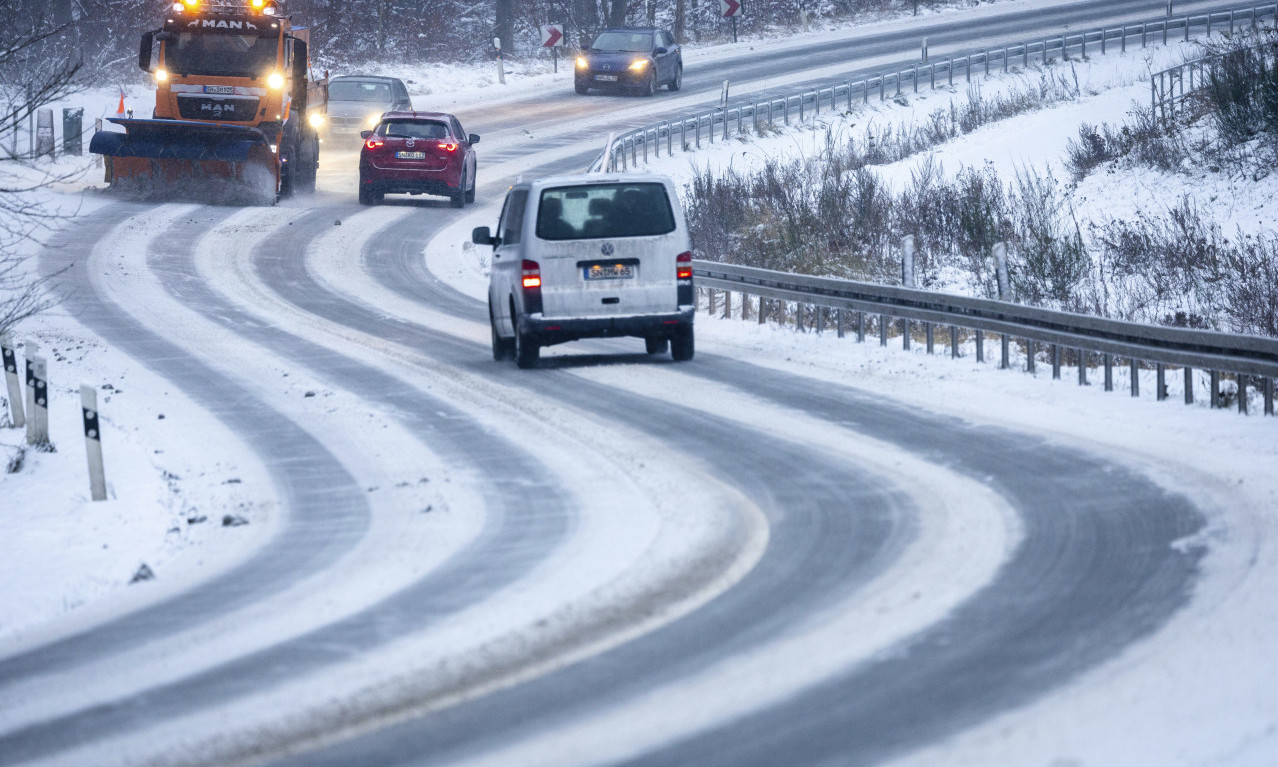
x=604 y=210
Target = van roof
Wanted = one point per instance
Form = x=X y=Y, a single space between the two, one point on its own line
x=585 y=179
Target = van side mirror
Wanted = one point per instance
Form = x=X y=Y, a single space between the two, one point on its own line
x=482 y=235
x=473 y=138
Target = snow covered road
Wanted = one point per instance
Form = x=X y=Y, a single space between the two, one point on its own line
x=791 y=550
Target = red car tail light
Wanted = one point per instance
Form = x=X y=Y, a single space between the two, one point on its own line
x=374 y=143
x=449 y=146
x=683 y=266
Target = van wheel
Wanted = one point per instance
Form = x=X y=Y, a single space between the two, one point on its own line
x=657 y=345
x=527 y=350
x=682 y=346
x=503 y=348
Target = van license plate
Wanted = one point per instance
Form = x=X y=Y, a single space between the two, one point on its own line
x=608 y=272
x=606 y=78
x=411 y=155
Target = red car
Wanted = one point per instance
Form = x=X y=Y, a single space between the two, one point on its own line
x=418 y=153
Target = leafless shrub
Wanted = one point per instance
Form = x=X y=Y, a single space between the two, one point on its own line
x=1251 y=286
x=1050 y=261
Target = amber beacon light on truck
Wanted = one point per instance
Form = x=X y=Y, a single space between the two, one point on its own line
x=234 y=99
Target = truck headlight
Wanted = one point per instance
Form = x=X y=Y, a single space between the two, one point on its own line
x=275 y=80
x=316 y=119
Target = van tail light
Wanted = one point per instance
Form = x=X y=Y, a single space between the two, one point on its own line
x=683 y=266
x=683 y=273
x=531 y=275
x=374 y=143
x=530 y=279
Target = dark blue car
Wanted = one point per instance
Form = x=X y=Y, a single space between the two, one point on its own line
x=632 y=58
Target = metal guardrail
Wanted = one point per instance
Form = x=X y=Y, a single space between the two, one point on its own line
x=632 y=148
x=1252 y=360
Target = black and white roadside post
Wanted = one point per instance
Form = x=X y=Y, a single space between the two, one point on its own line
x=1004 y=280
x=17 y=419
x=907 y=261
x=31 y=349
x=93 y=441
x=723 y=98
x=925 y=50
x=39 y=436
x=501 y=66
x=730 y=9
x=552 y=37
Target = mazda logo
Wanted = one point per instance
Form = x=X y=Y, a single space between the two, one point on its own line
x=409 y=143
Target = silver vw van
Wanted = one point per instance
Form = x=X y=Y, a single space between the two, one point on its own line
x=589 y=256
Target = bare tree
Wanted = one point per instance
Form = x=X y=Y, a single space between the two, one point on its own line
x=39 y=64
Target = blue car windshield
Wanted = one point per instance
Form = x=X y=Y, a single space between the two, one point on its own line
x=626 y=42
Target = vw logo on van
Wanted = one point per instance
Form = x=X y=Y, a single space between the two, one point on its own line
x=606 y=248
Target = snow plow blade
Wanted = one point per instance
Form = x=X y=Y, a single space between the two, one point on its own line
x=158 y=152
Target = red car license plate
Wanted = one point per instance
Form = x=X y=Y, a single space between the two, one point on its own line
x=410 y=155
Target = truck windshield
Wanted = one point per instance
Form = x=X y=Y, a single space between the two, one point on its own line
x=604 y=210
x=220 y=54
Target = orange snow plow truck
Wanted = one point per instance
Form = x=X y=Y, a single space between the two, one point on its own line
x=234 y=101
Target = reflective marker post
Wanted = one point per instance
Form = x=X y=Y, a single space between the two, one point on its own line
x=17 y=418
x=93 y=441
x=30 y=350
x=39 y=435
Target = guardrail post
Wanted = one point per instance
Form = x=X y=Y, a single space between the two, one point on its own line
x=916 y=78
x=820 y=319
x=1189 y=386
x=1186 y=29
x=1056 y=362
x=1082 y=367
x=883 y=330
x=1269 y=396
x=1214 y=382
x=932 y=72
x=905 y=333
x=1160 y=383
x=1025 y=55
x=967 y=63
x=764 y=305
x=1082 y=50
x=1165 y=25
x=798 y=317
x=954 y=350
x=949 y=71
x=838 y=318
x=931 y=344
x=1064 y=48
x=711 y=294
x=1104 y=38
x=17 y=417
x=93 y=442
x=1006 y=53
x=987 y=62
x=1029 y=355
x=860 y=327
x=1109 y=371
x=1242 y=393
x=1231 y=23
x=980 y=345
x=1005 y=360
x=1144 y=33
x=1135 y=365
x=727 y=304
x=1044 y=51
x=1122 y=48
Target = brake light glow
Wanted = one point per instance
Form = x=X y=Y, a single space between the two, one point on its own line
x=449 y=146
x=374 y=143
x=531 y=275
x=683 y=266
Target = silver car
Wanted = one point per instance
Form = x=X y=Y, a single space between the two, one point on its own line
x=588 y=256
x=356 y=103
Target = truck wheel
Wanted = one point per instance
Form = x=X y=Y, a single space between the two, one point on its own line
x=527 y=350
x=682 y=346
x=657 y=345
